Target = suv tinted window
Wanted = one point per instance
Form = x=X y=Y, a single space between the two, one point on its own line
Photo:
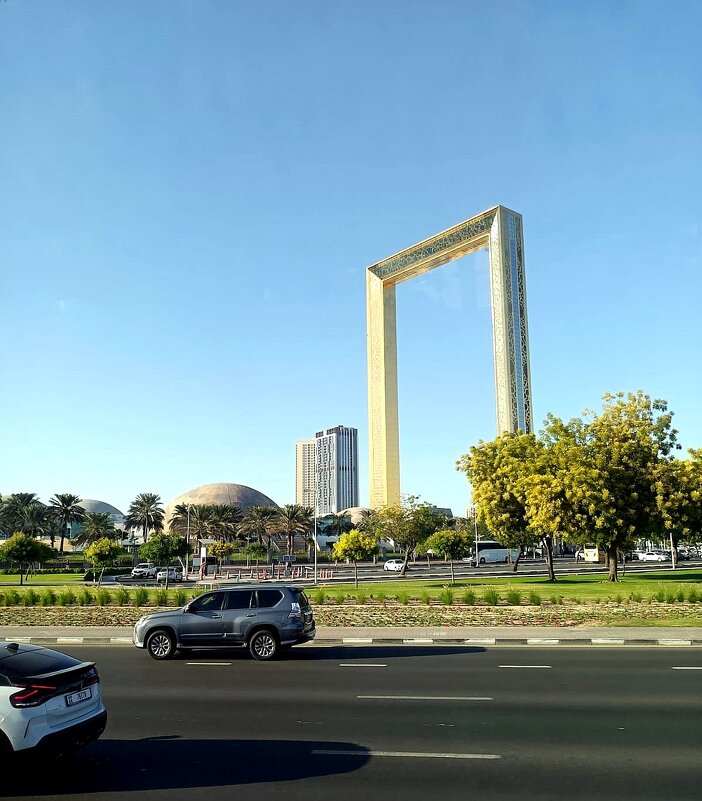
x=268 y=598
x=239 y=599
x=302 y=599
x=207 y=602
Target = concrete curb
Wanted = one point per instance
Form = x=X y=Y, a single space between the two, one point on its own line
x=412 y=641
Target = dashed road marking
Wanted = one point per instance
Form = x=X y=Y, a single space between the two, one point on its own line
x=527 y=667
x=425 y=697
x=358 y=664
x=405 y=754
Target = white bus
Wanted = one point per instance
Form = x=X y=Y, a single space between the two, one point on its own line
x=489 y=551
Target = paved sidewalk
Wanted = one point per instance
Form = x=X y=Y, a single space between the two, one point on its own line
x=415 y=636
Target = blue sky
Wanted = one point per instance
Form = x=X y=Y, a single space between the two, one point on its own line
x=190 y=192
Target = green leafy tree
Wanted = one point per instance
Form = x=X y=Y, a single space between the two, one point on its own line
x=34 y=520
x=96 y=526
x=407 y=525
x=356 y=546
x=102 y=554
x=163 y=548
x=145 y=513
x=256 y=551
x=497 y=471
x=450 y=543
x=64 y=509
x=678 y=485
x=25 y=550
x=221 y=550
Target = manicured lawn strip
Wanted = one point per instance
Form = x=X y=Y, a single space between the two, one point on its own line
x=12 y=579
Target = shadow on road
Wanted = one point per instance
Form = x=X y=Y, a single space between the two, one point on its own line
x=311 y=653
x=171 y=763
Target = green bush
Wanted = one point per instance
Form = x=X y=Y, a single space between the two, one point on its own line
x=446 y=597
x=635 y=596
x=122 y=597
x=66 y=598
x=161 y=596
x=30 y=598
x=380 y=597
x=103 y=597
x=403 y=597
x=48 y=598
x=659 y=595
x=425 y=597
x=13 y=598
x=319 y=596
x=468 y=597
x=340 y=597
x=180 y=597
x=534 y=598
x=361 y=597
x=618 y=598
x=85 y=597
x=514 y=598
x=141 y=596
x=491 y=597
x=692 y=596
x=680 y=595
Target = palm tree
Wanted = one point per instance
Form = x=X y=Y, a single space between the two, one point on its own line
x=12 y=507
x=294 y=519
x=96 y=526
x=64 y=509
x=259 y=522
x=225 y=521
x=34 y=520
x=145 y=512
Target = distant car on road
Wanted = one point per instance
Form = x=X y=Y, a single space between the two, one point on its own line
x=267 y=620
x=172 y=573
x=145 y=570
x=395 y=565
x=50 y=703
x=653 y=556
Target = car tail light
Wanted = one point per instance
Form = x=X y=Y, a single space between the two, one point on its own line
x=32 y=695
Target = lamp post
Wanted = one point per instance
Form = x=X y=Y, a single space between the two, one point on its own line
x=315 y=519
x=474 y=510
x=187 y=540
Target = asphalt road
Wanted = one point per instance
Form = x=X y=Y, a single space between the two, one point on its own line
x=358 y=724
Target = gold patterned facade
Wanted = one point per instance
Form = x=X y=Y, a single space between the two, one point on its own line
x=499 y=230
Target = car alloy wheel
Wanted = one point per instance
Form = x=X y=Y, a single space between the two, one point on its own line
x=263 y=646
x=160 y=645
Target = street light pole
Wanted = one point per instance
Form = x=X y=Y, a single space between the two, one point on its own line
x=187 y=539
x=475 y=531
x=315 y=517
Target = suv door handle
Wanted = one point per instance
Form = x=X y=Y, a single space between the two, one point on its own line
x=251 y=614
x=216 y=615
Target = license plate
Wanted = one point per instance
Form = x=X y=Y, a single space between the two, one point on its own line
x=79 y=697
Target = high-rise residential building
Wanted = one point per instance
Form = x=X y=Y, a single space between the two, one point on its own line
x=304 y=473
x=326 y=475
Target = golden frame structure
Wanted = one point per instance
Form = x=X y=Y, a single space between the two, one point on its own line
x=500 y=231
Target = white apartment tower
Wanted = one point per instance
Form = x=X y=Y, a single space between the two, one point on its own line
x=327 y=470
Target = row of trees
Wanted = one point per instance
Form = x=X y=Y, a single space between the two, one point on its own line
x=607 y=479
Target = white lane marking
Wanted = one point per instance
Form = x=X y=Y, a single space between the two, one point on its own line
x=425 y=697
x=406 y=754
x=208 y=663
x=527 y=667
x=357 y=664
x=687 y=668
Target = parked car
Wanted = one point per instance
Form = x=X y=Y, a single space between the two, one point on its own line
x=264 y=619
x=653 y=556
x=145 y=570
x=173 y=573
x=50 y=703
x=394 y=565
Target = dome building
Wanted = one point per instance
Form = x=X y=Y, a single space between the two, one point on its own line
x=223 y=493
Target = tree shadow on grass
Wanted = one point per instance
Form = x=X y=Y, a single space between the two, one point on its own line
x=172 y=763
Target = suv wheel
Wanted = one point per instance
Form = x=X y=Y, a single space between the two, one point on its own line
x=160 y=644
x=263 y=646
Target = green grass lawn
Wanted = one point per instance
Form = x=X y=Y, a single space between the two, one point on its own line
x=571 y=588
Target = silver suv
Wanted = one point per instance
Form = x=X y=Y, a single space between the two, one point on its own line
x=266 y=619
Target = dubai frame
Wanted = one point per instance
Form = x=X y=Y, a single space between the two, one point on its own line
x=499 y=230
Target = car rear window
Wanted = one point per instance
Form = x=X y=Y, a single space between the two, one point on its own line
x=268 y=598
x=302 y=599
x=27 y=663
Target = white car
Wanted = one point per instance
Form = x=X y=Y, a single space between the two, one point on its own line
x=50 y=703
x=394 y=565
x=653 y=556
x=172 y=572
x=144 y=570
